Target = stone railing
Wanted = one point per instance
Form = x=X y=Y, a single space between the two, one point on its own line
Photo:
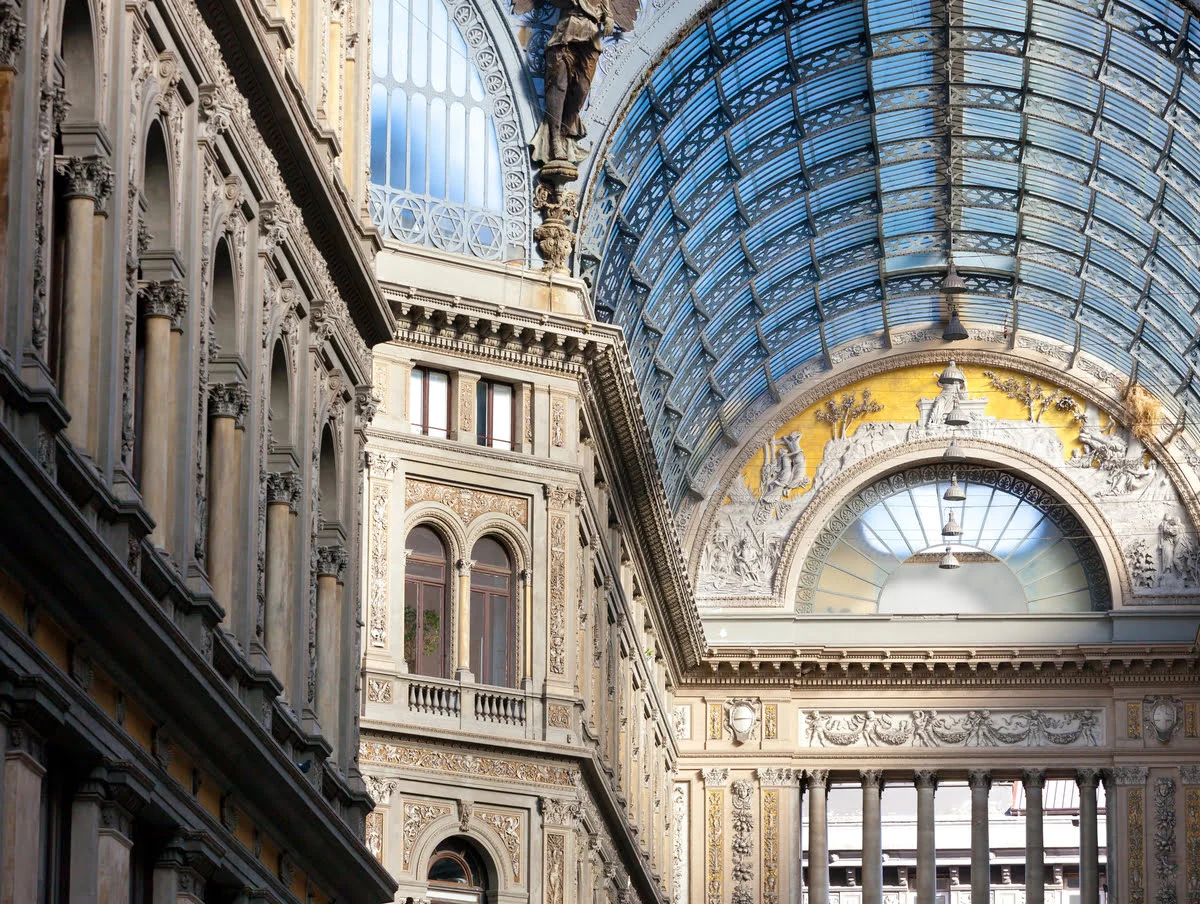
x=506 y=709
x=435 y=699
x=439 y=703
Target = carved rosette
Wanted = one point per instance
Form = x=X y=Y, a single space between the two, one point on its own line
x=230 y=400
x=86 y=177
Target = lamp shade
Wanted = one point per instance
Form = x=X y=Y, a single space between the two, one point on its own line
x=948 y=560
x=952 y=528
x=954 y=452
x=952 y=376
x=953 y=283
x=954 y=492
x=957 y=417
x=954 y=330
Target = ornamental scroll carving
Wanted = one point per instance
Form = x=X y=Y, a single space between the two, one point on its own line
x=468 y=504
x=508 y=827
x=450 y=762
x=1136 y=830
x=377 y=596
x=680 y=861
x=1166 y=868
x=714 y=859
x=1191 y=817
x=417 y=817
x=741 y=794
x=770 y=846
x=558 y=594
x=373 y=835
x=974 y=728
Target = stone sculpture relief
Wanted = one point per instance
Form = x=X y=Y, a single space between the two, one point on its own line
x=1166 y=868
x=679 y=873
x=741 y=795
x=1162 y=717
x=742 y=552
x=974 y=728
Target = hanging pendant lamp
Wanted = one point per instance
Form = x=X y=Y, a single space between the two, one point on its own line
x=954 y=492
x=948 y=560
x=955 y=331
x=952 y=376
x=954 y=452
x=952 y=528
x=957 y=417
x=953 y=284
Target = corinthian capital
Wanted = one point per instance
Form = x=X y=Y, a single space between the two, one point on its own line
x=12 y=34
x=284 y=487
x=228 y=400
x=162 y=299
x=332 y=560
x=86 y=177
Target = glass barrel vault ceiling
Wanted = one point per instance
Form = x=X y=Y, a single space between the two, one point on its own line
x=789 y=177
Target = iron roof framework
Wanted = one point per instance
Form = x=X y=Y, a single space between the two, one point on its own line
x=793 y=176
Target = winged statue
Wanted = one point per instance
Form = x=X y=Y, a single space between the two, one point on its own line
x=571 y=57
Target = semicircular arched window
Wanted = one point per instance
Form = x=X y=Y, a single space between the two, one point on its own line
x=1017 y=549
x=441 y=148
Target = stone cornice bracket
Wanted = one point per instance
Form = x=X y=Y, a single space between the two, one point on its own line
x=925 y=778
x=366 y=405
x=86 y=177
x=165 y=298
x=332 y=561
x=715 y=778
x=216 y=112
x=284 y=487
x=229 y=400
x=12 y=34
x=979 y=778
x=1034 y=778
x=272 y=226
x=1130 y=776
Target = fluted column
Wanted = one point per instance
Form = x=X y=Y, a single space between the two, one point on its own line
x=1089 y=853
x=227 y=403
x=818 y=840
x=1035 y=853
x=926 y=783
x=283 y=492
x=89 y=181
x=872 y=836
x=981 y=861
x=160 y=304
x=23 y=774
x=331 y=565
x=463 y=670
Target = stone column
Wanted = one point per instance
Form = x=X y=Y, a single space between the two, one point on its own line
x=981 y=861
x=872 y=836
x=227 y=404
x=88 y=181
x=283 y=491
x=926 y=782
x=159 y=303
x=174 y=882
x=23 y=773
x=1089 y=853
x=101 y=841
x=818 y=841
x=527 y=635
x=114 y=846
x=1035 y=855
x=331 y=565
x=463 y=650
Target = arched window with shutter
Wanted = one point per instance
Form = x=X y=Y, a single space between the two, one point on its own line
x=493 y=635
x=426 y=622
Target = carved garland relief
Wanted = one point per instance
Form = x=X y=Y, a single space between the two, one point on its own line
x=468 y=504
x=771 y=721
x=1166 y=869
x=680 y=839
x=1191 y=815
x=770 y=847
x=714 y=858
x=742 y=794
x=975 y=728
x=716 y=720
x=379 y=593
x=1137 y=846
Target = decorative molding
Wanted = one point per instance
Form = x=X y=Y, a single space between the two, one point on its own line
x=714 y=857
x=1130 y=776
x=467 y=503
x=770 y=846
x=1162 y=718
x=681 y=722
x=558 y=715
x=770 y=721
x=1166 y=869
x=380 y=789
x=378 y=572
x=715 y=778
x=741 y=795
x=508 y=827
x=557 y=627
x=456 y=763
x=1136 y=834
x=417 y=816
x=681 y=838
x=973 y=728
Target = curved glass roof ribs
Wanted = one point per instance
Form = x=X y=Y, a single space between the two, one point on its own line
x=794 y=175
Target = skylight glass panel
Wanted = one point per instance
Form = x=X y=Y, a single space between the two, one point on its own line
x=1008 y=15
x=1046 y=323
x=1058 y=23
x=991 y=123
x=992 y=173
x=864 y=321
x=826 y=29
x=895 y=15
x=1054 y=82
x=992 y=69
x=901 y=70
x=914 y=309
x=910 y=172
x=908 y=221
x=901 y=125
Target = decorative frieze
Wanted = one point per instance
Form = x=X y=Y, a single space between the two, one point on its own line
x=417 y=816
x=454 y=763
x=467 y=503
x=974 y=728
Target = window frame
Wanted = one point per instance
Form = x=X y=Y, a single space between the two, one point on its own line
x=418 y=583
x=422 y=428
x=485 y=420
x=492 y=597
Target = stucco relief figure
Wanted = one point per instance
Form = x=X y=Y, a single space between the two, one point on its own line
x=783 y=465
x=571 y=57
x=1170 y=533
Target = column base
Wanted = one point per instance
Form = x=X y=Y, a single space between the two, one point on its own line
x=464 y=676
